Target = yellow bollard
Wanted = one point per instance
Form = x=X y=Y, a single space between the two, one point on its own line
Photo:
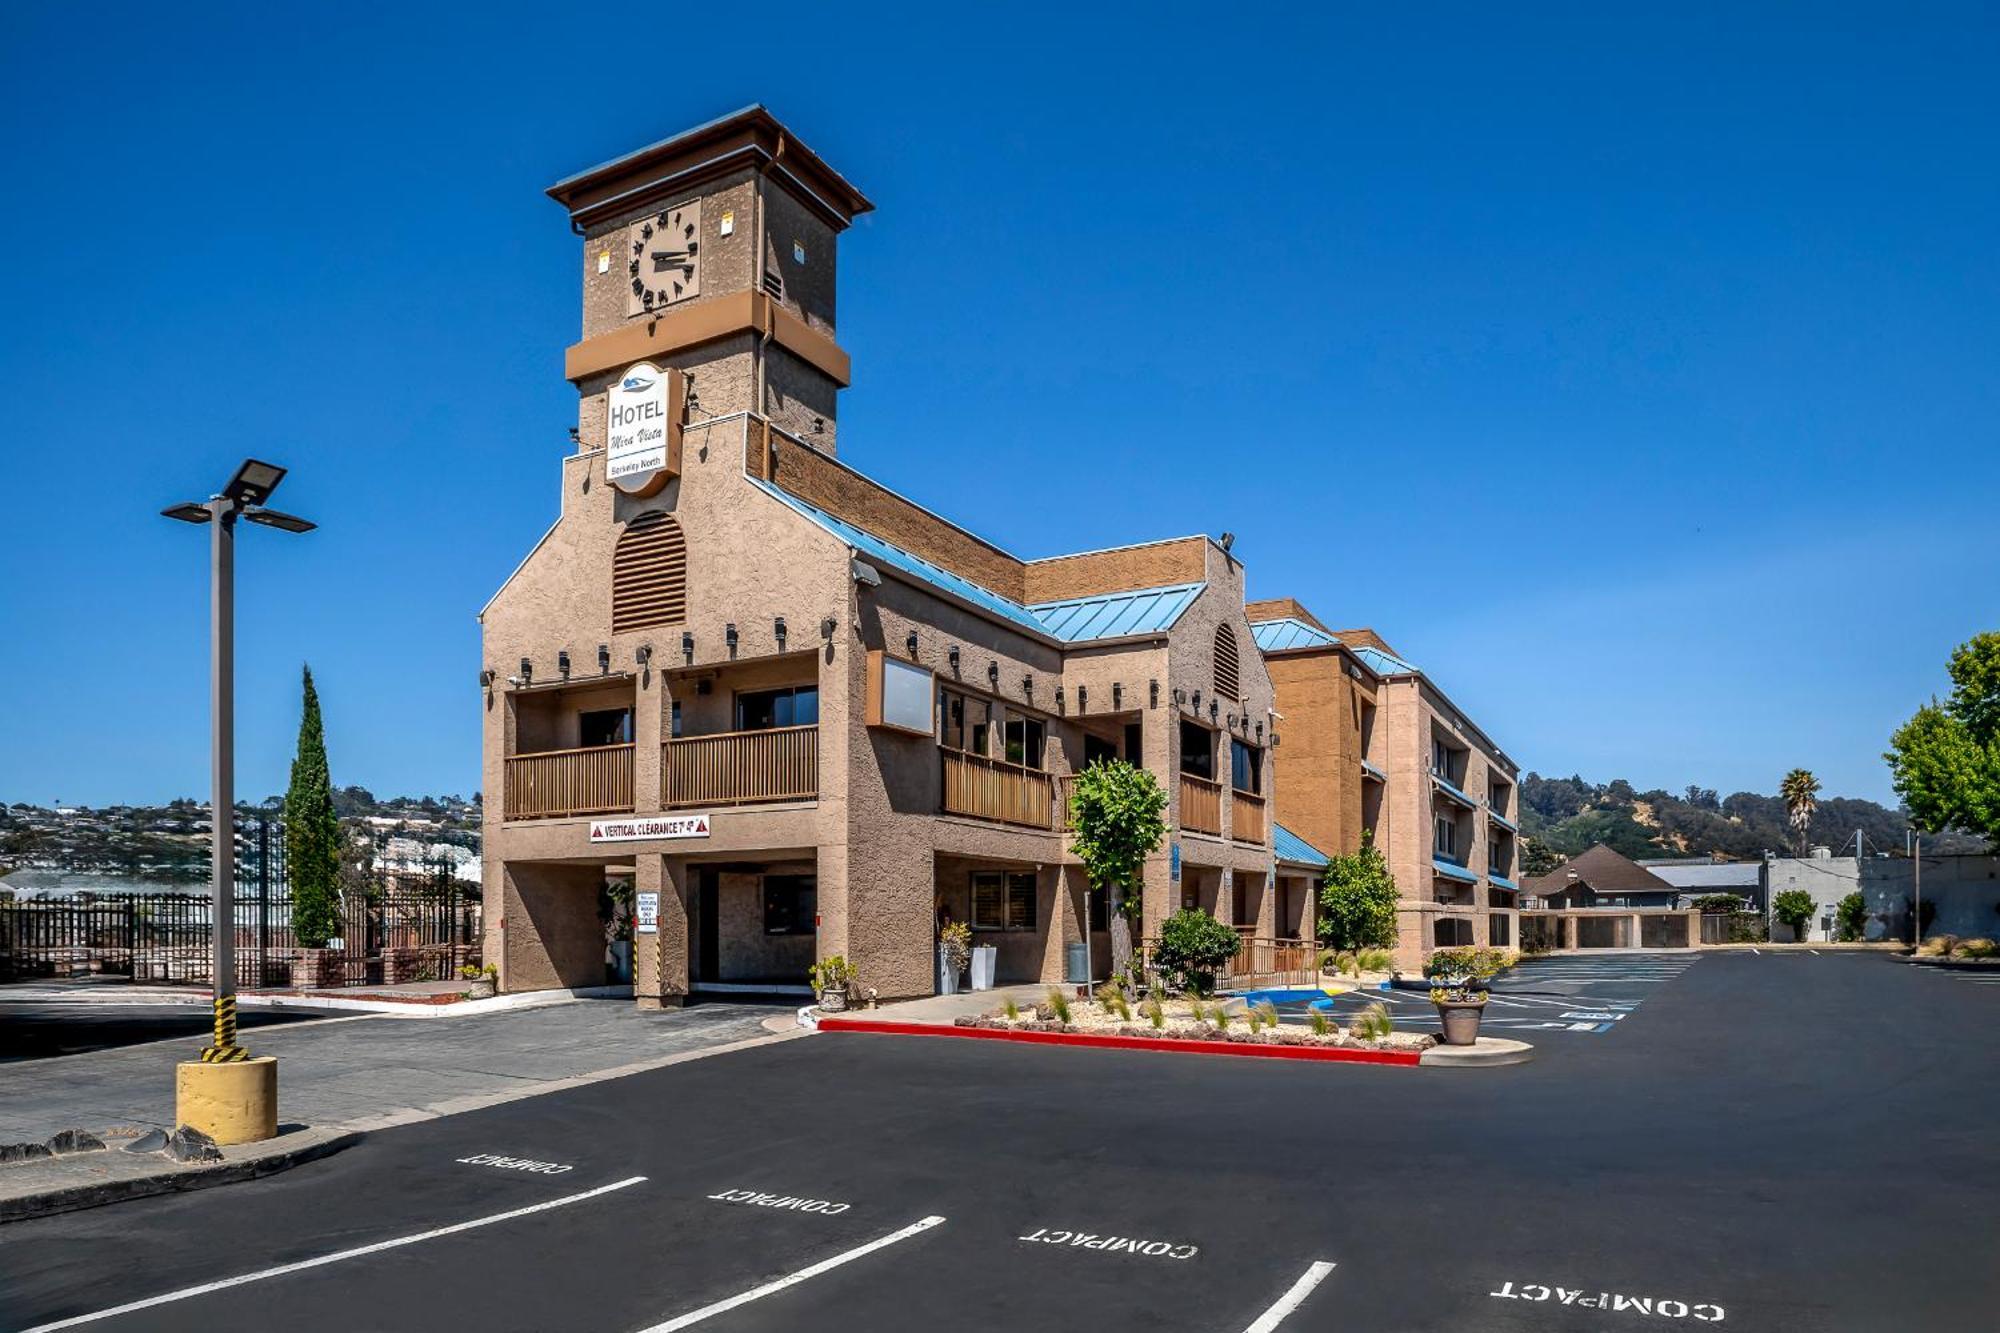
x=235 y=1102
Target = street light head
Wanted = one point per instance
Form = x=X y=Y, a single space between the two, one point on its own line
x=272 y=518
x=254 y=482
x=188 y=513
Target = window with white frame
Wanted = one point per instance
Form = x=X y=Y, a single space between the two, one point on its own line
x=1447 y=836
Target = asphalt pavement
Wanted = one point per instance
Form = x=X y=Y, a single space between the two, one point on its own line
x=1765 y=1143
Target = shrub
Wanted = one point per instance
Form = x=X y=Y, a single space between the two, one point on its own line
x=1851 y=915
x=1059 y=1003
x=1794 y=907
x=1375 y=960
x=1357 y=901
x=1012 y=1010
x=1316 y=1020
x=834 y=973
x=1268 y=1012
x=1938 y=946
x=1156 y=1013
x=1193 y=947
x=955 y=944
x=1222 y=1020
x=1977 y=948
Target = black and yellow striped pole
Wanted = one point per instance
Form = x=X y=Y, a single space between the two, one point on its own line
x=224 y=1050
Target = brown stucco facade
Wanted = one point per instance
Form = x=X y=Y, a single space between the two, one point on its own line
x=734 y=761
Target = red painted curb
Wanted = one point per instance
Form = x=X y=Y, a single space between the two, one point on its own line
x=1115 y=1042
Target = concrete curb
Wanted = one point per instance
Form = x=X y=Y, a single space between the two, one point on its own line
x=1486 y=1053
x=1108 y=1041
x=170 y=1177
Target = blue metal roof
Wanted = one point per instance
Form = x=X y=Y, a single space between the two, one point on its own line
x=1502 y=820
x=1291 y=847
x=1373 y=771
x=1383 y=664
x=1274 y=636
x=1446 y=786
x=897 y=558
x=1451 y=870
x=1502 y=882
x=1114 y=615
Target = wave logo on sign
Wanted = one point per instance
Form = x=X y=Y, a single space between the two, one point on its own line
x=636 y=383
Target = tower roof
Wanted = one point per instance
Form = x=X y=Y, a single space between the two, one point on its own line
x=751 y=137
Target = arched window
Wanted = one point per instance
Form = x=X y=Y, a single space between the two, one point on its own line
x=649 y=574
x=1228 y=664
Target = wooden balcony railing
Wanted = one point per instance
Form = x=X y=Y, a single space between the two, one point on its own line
x=995 y=789
x=592 y=781
x=1246 y=816
x=1201 y=805
x=740 y=768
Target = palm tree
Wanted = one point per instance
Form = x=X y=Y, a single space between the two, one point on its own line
x=1800 y=792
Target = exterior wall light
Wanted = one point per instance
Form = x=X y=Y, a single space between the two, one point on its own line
x=1213 y=708
x=486 y=679
x=729 y=637
x=603 y=659
x=1152 y=694
x=1117 y=696
x=527 y=671
x=827 y=627
x=643 y=654
x=1082 y=695
x=1260 y=733
x=952 y=657
x=562 y=664
x=778 y=629
x=687 y=647
x=1028 y=686
x=910 y=642
x=1180 y=697
x=1059 y=699
x=1197 y=701
x=993 y=674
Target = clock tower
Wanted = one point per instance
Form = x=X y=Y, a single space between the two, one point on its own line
x=708 y=289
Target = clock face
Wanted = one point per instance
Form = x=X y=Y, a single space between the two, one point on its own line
x=663 y=258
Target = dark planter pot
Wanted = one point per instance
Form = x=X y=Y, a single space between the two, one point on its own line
x=1461 y=1022
x=833 y=1001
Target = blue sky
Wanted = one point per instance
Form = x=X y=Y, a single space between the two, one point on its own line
x=1633 y=372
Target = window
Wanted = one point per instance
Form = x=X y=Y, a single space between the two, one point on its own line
x=1244 y=914
x=1447 y=837
x=1197 y=750
x=1367 y=729
x=791 y=902
x=676 y=720
x=604 y=726
x=1499 y=928
x=649 y=574
x=1003 y=901
x=951 y=720
x=1245 y=772
x=1096 y=751
x=761 y=710
x=1100 y=907
x=1023 y=738
x=1440 y=759
x=1228 y=664
x=1453 y=932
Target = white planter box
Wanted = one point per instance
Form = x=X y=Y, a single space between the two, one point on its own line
x=984 y=957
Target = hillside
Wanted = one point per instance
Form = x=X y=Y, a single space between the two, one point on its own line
x=1565 y=816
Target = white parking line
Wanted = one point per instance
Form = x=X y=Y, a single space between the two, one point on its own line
x=185 y=1292
x=1292 y=1298
x=792 y=1280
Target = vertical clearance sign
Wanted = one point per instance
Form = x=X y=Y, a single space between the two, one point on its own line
x=642 y=429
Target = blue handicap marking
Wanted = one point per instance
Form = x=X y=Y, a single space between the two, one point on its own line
x=1595 y=1017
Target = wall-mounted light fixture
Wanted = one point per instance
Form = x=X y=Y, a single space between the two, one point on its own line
x=486 y=679
x=1197 y=701
x=1027 y=685
x=1059 y=698
x=603 y=659
x=1232 y=721
x=910 y=642
x=1117 y=696
x=952 y=657
x=687 y=647
x=1212 y=710
x=778 y=629
x=827 y=627
x=729 y=637
x=643 y=654
x=993 y=674
x=562 y=664
x=1180 y=697
x=1260 y=733
x=527 y=671
x=1152 y=694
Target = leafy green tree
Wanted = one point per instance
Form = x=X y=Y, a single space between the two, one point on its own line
x=1537 y=857
x=1117 y=812
x=1794 y=907
x=312 y=833
x=1945 y=761
x=1852 y=916
x=1800 y=793
x=1357 y=901
x=1193 y=947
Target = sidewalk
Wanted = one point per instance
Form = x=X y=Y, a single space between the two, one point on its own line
x=944 y=1010
x=365 y=1071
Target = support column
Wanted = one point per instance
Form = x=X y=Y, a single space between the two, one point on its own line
x=649 y=731
x=660 y=961
x=1638 y=930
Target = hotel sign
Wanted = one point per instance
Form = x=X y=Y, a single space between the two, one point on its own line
x=642 y=428
x=646 y=830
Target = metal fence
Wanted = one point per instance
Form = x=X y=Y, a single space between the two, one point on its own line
x=397 y=925
x=1734 y=928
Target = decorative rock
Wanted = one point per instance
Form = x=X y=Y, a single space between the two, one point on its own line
x=189 y=1144
x=153 y=1140
x=23 y=1152
x=74 y=1140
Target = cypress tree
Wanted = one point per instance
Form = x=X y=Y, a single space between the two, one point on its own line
x=312 y=833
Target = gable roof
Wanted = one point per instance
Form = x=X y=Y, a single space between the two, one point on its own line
x=1276 y=636
x=1604 y=870
x=1115 y=615
x=1381 y=662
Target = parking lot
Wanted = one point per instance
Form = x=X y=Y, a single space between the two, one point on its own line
x=1761 y=1143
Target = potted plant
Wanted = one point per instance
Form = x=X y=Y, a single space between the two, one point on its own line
x=830 y=979
x=954 y=954
x=483 y=982
x=1459 y=992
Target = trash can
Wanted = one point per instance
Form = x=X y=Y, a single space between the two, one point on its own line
x=1077 y=969
x=983 y=959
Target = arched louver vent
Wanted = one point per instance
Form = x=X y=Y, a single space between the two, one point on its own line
x=1228 y=665
x=649 y=574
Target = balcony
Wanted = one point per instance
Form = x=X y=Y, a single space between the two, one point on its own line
x=559 y=783
x=1201 y=805
x=995 y=789
x=1247 y=821
x=740 y=768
